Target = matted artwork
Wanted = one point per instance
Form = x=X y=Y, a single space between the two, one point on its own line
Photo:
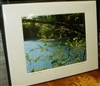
x=50 y=40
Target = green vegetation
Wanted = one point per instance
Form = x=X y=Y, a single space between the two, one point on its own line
x=66 y=31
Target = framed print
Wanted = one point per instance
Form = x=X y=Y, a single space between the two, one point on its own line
x=51 y=40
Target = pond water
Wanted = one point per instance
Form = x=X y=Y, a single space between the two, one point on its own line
x=41 y=54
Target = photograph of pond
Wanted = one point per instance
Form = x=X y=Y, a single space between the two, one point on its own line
x=52 y=41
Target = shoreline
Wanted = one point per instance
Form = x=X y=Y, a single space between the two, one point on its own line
x=48 y=40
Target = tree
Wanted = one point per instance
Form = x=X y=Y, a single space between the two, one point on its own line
x=68 y=32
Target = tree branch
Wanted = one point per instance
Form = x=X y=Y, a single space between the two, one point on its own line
x=65 y=23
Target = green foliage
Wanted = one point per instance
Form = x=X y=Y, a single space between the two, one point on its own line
x=59 y=57
x=71 y=44
x=37 y=58
x=54 y=26
x=28 y=57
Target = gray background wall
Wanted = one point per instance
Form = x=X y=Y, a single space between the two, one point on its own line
x=3 y=70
